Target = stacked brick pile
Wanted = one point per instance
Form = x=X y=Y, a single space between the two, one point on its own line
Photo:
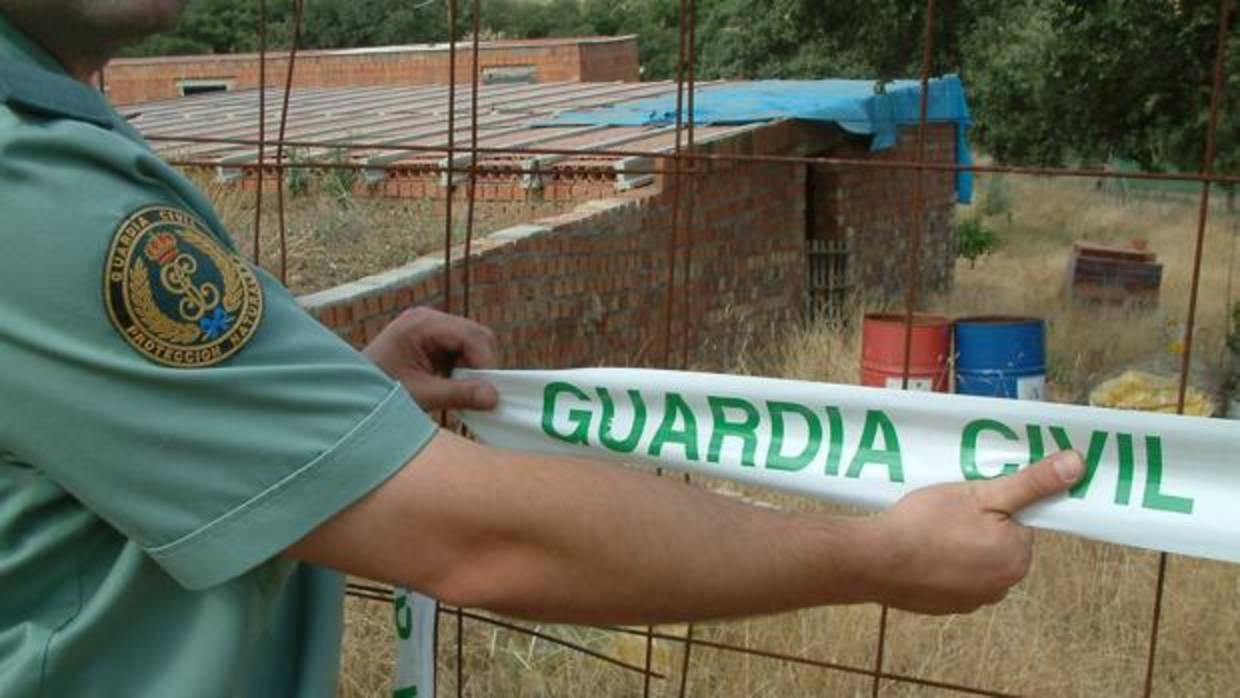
x=1114 y=274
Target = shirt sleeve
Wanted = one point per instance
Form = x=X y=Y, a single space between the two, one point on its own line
x=212 y=470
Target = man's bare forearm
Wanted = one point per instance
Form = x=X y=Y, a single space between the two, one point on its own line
x=575 y=541
x=568 y=540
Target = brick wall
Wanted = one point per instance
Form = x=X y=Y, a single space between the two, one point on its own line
x=600 y=59
x=872 y=209
x=607 y=61
x=589 y=287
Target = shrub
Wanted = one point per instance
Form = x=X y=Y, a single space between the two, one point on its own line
x=338 y=182
x=974 y=240
x=297 y=178
x=997 y=198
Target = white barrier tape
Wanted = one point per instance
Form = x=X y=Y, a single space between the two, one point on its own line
x=416 y=617
x=1154 y=481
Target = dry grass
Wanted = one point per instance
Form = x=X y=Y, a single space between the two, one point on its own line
x=335 y=237
x=1079 y=626
x=331 y=239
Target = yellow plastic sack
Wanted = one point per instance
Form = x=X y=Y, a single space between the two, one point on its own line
x=1141 y=390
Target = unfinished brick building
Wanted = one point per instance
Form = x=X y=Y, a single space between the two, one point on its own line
x=589 y=59
x=580 y=277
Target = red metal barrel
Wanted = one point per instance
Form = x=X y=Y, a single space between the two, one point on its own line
x=882 y=352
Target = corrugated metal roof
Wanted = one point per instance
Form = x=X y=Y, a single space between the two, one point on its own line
x=334 y=118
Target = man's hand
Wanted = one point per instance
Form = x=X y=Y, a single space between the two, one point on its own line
x=422 y=346
x=956 y=547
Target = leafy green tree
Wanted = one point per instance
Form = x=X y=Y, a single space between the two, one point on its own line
x=657 y=26
x=1011 y=91
x=351 y=23
x=209 y=26
x=780 y=39
x=1093 y=81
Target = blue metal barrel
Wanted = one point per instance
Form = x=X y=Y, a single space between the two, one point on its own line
x=1001 y=356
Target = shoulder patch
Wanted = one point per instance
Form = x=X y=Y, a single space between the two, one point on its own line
x=175 y=293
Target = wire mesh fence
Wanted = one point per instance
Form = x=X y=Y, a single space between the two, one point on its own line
x=686 y=166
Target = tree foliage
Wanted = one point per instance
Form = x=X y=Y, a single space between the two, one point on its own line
x=1093 y=81
x=1138 y=73
x=1051 y=81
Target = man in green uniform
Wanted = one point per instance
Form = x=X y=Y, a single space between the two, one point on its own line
x=188 y=461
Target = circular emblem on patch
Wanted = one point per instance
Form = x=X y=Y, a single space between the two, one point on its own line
x=175 y=293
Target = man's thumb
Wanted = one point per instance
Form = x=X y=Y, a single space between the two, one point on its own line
x=1046 y=478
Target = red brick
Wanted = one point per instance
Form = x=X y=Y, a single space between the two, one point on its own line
x=372 y=306
x=358 y=311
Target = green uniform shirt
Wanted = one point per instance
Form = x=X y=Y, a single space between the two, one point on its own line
x=171 y=421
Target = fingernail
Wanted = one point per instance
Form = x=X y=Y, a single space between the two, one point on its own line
x=485 y=396
x=1069 y=465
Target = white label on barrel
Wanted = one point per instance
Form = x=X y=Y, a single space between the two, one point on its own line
x=1031 y=388
x=923 y=385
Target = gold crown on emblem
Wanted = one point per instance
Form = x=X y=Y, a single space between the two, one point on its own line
x=162 y=248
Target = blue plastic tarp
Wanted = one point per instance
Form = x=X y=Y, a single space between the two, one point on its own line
x=857 y=106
